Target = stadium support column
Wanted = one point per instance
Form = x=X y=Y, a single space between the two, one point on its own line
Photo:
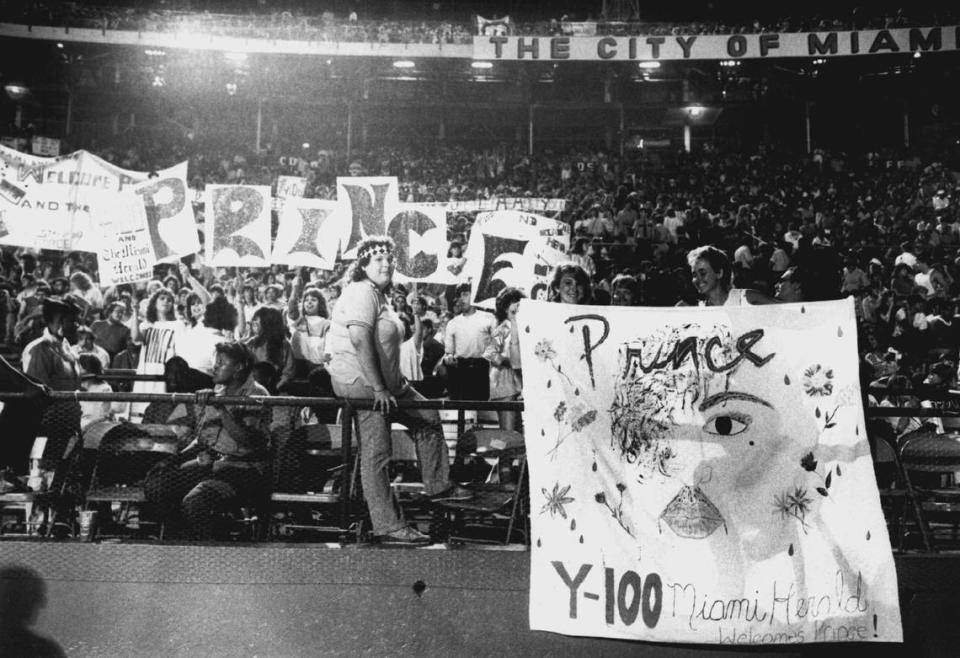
x=620 y=134
x=808 y=126
x=259 y=123
x=530 y=131
x=68 y=123
x=906 y=125
x=686 y=136
x=349 y=131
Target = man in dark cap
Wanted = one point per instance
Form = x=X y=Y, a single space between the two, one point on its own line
x=49 y=361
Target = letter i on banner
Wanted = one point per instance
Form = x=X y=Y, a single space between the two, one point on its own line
x=238 y=225
x=310 y=232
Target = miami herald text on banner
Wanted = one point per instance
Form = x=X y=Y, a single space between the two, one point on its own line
x=703 y=475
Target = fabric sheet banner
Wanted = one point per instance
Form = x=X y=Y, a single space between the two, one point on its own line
x=768 y=45
x=238 y=225
x=288 y=187
x=45 y=202
x=703 y=475
x=126 y=249
x=509 y=248
x=524 y=203
x=371 y=206
x=307 y=234
x=170 y=219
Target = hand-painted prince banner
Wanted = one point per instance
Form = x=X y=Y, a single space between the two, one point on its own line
x=703 y=475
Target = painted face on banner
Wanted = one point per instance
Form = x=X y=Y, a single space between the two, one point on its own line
x=690 y=413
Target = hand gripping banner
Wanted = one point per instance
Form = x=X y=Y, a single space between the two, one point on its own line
x=703 y=475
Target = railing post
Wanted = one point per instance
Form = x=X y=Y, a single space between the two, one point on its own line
x=346 y=475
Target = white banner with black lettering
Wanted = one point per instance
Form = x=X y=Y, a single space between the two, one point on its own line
x=515 y=249
x=770 y=45
x=45 y=202
x=126 y=249
x=703 y=475
x=237 y=225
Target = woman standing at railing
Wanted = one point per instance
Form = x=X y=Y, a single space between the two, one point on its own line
x=158 y=335
x=365 y=342
x=503 y=353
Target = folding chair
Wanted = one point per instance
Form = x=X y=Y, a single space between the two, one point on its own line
x=930 y=462
x=307 y=481
x=501 y=497
x=126 y=452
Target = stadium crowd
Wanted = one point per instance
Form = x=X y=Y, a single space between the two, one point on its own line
x=290 y=21
x=881 y=227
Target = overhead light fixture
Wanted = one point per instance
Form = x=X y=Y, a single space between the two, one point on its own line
x=403 y=64
x=649 y=65
x=231 y=88
x=482 y=65
x=60 y=45
x=150 y=52
x=16 y=91
x=694 y=111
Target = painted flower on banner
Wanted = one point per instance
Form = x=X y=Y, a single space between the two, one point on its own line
x=793 y=504
x=583 y=420
x=544 y=351
x=818 y=381
x=560 y=411
x=556 y=499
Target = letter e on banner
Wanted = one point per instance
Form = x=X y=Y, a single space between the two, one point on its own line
x=240 y=234
x=499 y=254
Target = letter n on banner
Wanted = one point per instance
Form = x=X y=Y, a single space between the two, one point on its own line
x=238 y=225
x=371 y=199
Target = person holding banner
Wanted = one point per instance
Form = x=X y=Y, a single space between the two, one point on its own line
x=713 y=280
x=308 y=323
x=465 y=341
x=571 y=285
x=158 y=335
x=503 y=353
x=365 y=339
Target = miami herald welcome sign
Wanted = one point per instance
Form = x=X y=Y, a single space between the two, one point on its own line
x=703 y=475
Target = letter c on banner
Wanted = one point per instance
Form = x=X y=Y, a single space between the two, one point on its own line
x=410 y=263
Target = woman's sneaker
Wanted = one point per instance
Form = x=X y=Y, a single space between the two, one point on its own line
x=405 y=535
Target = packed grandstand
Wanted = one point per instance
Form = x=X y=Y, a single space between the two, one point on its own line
x=648 y=163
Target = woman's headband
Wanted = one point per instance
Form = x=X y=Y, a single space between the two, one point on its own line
x=374 y=249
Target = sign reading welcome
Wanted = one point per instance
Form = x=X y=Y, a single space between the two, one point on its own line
x=733 y=46
x=703 y=475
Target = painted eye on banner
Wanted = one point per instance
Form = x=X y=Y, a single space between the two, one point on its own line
x=727 y=424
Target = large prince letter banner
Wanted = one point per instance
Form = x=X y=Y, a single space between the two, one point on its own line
x=703 y=475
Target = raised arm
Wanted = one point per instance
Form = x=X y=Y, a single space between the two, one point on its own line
x=195 y=284
x=293 y=304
